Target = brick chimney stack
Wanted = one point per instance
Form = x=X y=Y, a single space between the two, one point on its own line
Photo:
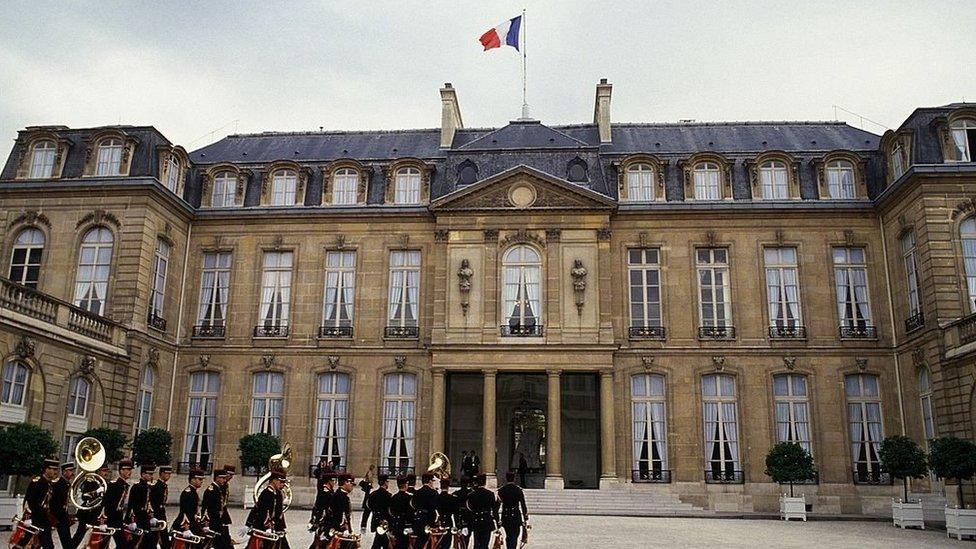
x=450 y=115
x=601 y=109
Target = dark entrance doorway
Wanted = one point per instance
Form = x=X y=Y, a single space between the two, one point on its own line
x=464 y=422
x=521 y=427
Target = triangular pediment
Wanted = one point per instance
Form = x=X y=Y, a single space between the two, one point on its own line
x=523 y=188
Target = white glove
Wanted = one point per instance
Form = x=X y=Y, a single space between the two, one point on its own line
x=408 y=531
x=187 y=533
x=464 y=531
x=100 y=491
x=131 y=526
x=103 y=528
x=242 y=531
x=207 y=529
x=153 y=522
x=28 y=522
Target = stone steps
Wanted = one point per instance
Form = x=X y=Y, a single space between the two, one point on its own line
x=628 y=502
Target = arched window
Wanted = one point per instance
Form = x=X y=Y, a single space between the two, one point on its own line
x=345 y=186
x=708 y=177
x=925 y=397
x=721 y=429
x=407 y=186
x=866 y=428
x=173 y=168
x=840 y=179
x=774 y=180
x=791 y=400
x=201 y=417
x=109 y=157
x=522 y=290
x=399 y=414
x=42 y=160
x=78 y=397
x=332 y=414
x=640 y=183
x=897 y=157
x=284 y=186
x=25 y=260
x=144 y=400
x=650 y=428
x=94 y=264
x=467 y=172
x=13 y=392
x=967 y=236
x=267 y=402
x=964 y=139
x=76 y=422
x=576 y=171
x=224 y=190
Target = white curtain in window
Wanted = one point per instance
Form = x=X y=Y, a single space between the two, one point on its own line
x=874 y=426
x=193 y=429
x=802 y=424
x=959 y=138
x=396 y=293
x=207 y=297
x=792 y=299
x=776 y=312
x=391 y=414
x=657 y=426
x=532 y=288
x=731 y=432
x=859 y=278
x=348 y=287
x=969 y=258
x=332 y=295
x=782 y=421
x=857 y=430
x=339 y=426
x=711 y=426
x=413 y=289
x=640 y=434
x=511 y=290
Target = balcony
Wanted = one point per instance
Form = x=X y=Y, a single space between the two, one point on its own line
x=716 y=332
x=646 y=332
x=863 y=331
x=401 y=332
x=521 y=331
x=313 y=469
x=872 y=478
x=787 y=332
x=209 y=331
x=335 y=332
x=394 y=471
x=959 y=336
x=156 y=322
x=271 y=330
x=914 y=322
x=650 y=476
x=714 y=476
x=183 y=467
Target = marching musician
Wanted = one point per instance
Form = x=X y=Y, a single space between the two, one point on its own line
x=483 y=513
x=424 y=505
x=114 y=503
x=463 y=539
x=139 y=508
x=340 y=507
x=88 y=518
x=225 y=516
x=400 y=513
x=319 y=521
x=514 y=512
x=60 y=489
x=377 y=504
x=447 y=510
x=268 y=514
x=214 y=506
x=37 y=500
x=188 y=519
x=158 y=494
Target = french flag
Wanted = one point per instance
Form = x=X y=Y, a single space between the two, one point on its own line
x=506 y=34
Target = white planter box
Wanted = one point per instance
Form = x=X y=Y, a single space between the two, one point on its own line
x=960 y=522
x=792 y=508
x=248 y=496
x=907 y=514
x=9 y=506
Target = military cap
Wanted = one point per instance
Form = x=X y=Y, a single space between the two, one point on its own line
x=51 y=463
x=147 y=469
x=67 y=466
x=165 y=468
x=126 y=464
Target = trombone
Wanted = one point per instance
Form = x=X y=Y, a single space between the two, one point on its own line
x=89 y=455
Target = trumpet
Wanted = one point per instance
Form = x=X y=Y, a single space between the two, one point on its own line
x=89 y=455
x=267 y=535
x=187 y=536
x=20 y=524
x=160 y=526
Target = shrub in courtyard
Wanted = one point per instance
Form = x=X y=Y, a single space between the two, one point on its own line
x=257 y=449
x=788 y=462
x=902 y=458
x=24 y=447
x=152 y=446
x=954 y=458
x=113 y=440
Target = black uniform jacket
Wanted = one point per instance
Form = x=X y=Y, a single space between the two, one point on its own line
x=482 y=510
x=400 y=509
x=340 y=510
x=213 y=505
x=323 y=499
x=114 y=502
x=377 y=506
x=59 y=499
x=461 y=518
x=268 y=512
x=38 y=501
x=514 y=510
x=425 y=508
x=139 y=504
x=158 y=494
x=189 y=510
x=447 y=509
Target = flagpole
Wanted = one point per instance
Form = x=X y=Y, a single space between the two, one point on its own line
x=525 y=104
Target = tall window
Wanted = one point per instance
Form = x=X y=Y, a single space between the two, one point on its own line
x=708 y=178
x=345 y=186
x=644 y=273
x=224 y=190
x=851 y=274
x=276 y=292
x=967 y=235
x=792 y=409
x=407 y=186
x=201 y=422
x=640 y=183
x=404 y=287
x=399 y=414
x=840 y=179
x=340 y=289
x=714 y=305
x=42 y=160
x=284 y=186
x=25 y=260
x=911 y=273
x=14 y=389
x=78 y=397
x=109 y=157
x=774 y=179
x=522 y=290
x=721 y=431
x=925 y=397
x=864 y=417
x=332 y=414
x=267 y=402
x=897 y=161
x=214 y=289
x=157 y=295
x=650 y=426
x=76 y=421
x=144 y=400
x=964 y=139
x=172 y=173
x=94 y=264
x=782 y=291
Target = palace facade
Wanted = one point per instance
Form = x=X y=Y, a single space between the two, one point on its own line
x=599 y=304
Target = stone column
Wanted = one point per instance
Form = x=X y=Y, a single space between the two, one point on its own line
x=437 y=413
x=554 y=453
x=488 y=431
x=608 y=439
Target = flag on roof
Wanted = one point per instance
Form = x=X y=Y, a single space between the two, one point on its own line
x=506 y=34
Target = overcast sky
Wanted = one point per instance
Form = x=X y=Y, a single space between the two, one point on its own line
x=199 y=71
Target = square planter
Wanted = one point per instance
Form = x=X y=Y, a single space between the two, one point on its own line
x=907 y=514
x=960 y=522
x=9 y=506
x=792 y=508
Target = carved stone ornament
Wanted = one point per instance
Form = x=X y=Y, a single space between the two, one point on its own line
x=204 y=361
x=642 y=239
x=277 y=242
x=218 y=241
x=404 y=240
x=604 y=233
x=31 y=217
x=333 y=362
x=862 y=363
x=87 y=365
x=522 y=236
x=168 y=229
x=152 y=356
x=718 y=362
x=789 y=362
x=780 y=237
x=578 y=272
x=400 y=361
x=918 y=357
x=491 y=235
x=26 y=347
x=268 y=361
x=964 y=208
x=465 y=272
x=553 y=235
x=711 y=237
x=648 y=362
x=848 y=237
x=99 y=217
x=441 y=235
x=340 y=241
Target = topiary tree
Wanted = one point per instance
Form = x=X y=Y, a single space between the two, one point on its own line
x=152 y=446
x=789 y=462
x=24 y=447
x=257 y=449
x=902 y=458
x=113 y=440
x=951 y=457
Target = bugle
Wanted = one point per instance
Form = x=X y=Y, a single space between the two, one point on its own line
x=187 y=537
x=266 y=535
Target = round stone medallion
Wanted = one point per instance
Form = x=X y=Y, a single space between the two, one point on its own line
x=522 y=195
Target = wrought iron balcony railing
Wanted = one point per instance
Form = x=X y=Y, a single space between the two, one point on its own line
x=183 y=467
x=209 y=331
x=716 y=332
x=271 y=330
x=788 y=332
x=858 y=332
x=401 y=332
x=394 y=471
x=647 y=332
x=335 y=332
x=724 y=477
x=874 y=478
x=521 y=331
x=651 y=476
x=313 y=469
x=156 y=321
x=914 y=322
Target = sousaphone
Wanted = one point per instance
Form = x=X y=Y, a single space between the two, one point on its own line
x=89 y=455
x=278 y=462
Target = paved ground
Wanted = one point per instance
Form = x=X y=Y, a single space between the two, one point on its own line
x=621 y=532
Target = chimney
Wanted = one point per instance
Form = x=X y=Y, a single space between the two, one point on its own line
x=450 y=115
x=601 y=109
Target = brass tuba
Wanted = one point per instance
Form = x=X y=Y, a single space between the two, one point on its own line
x=89 y=455
x=278 y=462
x=439 y=465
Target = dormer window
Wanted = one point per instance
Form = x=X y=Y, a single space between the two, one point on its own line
x=576 y=171
x=172 y=173
x=345 y=187
x=109 y=157
x=840 y=179
x=407 y=186
x=708 y=181
x=964 y=139
x=640 y=183
x=42 y=160
x=284 y=185
x=224 y=190
x=897 y=161
x=775 y=180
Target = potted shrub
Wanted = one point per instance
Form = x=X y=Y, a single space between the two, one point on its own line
x=113 y=440
x=23 y=448
x=902 y=458
x=788 y=462
x=255 y=452
x=954 y=458
x=152 y=446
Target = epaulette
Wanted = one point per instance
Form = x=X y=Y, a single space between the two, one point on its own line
x=211 y=487
x=188 y=489
x=35 y=479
